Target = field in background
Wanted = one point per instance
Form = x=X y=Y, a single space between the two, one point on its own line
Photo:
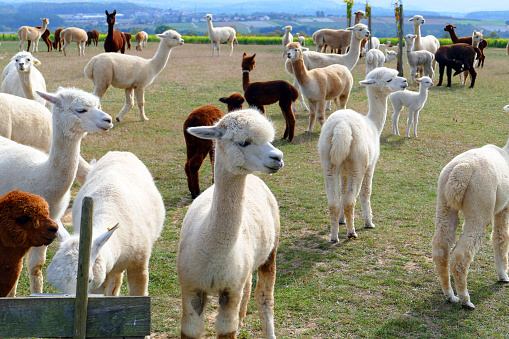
x=381 y=285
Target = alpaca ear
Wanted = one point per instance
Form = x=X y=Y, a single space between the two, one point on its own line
x=207 y=132
x=243 y=55
x=368 y=82
x=114 y=12
x=52 y=98
x=224 y=99
x=63 y=234
x=161 y=36
x=99 y=242
x=349 y=28
x=37 y=62
x=106 y=11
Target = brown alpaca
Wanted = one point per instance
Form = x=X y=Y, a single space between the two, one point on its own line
x=115 y=40
x=44 y=37
x=467 y=40
x=259 y=94
x=24 y=223
x=128 y=38
x=58 y=41
x=93 y=36
x=197 y=149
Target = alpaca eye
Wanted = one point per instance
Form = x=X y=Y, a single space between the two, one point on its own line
x=81 y=111
x=244 y=144
x=389 y=80
x=22 y=220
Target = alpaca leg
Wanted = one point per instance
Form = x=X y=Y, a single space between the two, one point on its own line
x=137 y=278
x=192 y=169
x=327 y=105
x=301 y=97
x=113 y=284
x=227 y=319
x=500 y=239
x=331 y=176
x=320 y=112
x=82 y=48
x=441 y=68
x=410 y=121
x=473 y=75
x=21 y=42
x=447 y=221
x=213 y=47
x=246 y=295
x=343 y=185
x=395 y=117
x=192 y=323
x=365 y=198
x=312 y=115
x=286 y=109
x=35 y=261
x=230 y=46
x=139 y=93
x=348 y=200
x=129 y=102
x=416 y=122
x=449 y=76
x=64 y=48
x=264 y=294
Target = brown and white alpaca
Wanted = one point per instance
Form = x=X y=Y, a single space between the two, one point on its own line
x=197 y=148
x=337 y=39
x=259 y=94
x=333 y=82
x=32 y=33
x=477 y=39
x=24 y=223
x=467 y=40
x=45 y=38
x=115 y=39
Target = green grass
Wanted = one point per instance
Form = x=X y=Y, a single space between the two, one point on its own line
x=381 y=285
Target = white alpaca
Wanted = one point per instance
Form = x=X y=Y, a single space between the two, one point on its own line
x=414 y=101
x=374 y=41
x=374 y=58
x=475 y=183
x=218 y=35
x=428 y=43
x=301 y=40
x=349 y=147
x=390 y=55
x=51 y=175
x=287 y=38
x=74 y=34
x=124 y=193
x=20 y=77
x=333 y=82
x=33 y=34
x=418 y=59
x=314 y=60
x=131 y=72
x=232 y=229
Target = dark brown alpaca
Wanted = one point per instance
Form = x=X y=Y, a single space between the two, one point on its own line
x=467 y=40
x=460 y=57
x=259 y=94
x=58 y=41
x=128 y=38
x=24 y=223
x=115 y=40
x=93 y=36
x=198 y=149
x=45 y=38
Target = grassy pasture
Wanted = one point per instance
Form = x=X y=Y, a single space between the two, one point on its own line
x=381 y=285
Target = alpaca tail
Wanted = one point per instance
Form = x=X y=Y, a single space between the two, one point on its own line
x=294 y=93
x=458 y=180
x=369 y=58
x=89 y=69
x=342 y=139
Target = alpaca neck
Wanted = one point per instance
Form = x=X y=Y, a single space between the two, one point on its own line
x=453 y=35
x=11 y=260
x=377 y=108
x=209 y=25
x=300 y=72
x=26 y=85
x=475 y=43
x=353 y=54
x=245 y=79
x=43 y=28
x=417 y=31
x=160 y=59
x=423 y=91
x=110 y=29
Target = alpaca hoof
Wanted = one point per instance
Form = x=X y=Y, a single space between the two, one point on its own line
x=352 y=235
x=369 y=225
x=118 y=120
x=341 y=222
x=453 y=299
x=468 y=306
x=504 y=280
x=334 y=241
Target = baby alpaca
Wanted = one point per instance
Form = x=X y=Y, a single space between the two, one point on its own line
x=374 y=58
x=301 y=40
x=390 y=55
x=124 y=194
x=232 y=229
x=473 y=183
x=414 y=101
x=349 y=147
x=418 y=59
x=287 y=38
x=24 y=223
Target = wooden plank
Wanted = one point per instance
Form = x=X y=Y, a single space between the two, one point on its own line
x=107 y=317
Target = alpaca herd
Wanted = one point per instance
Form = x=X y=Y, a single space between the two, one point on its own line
x=232 y=228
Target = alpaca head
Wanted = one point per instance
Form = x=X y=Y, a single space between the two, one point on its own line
x=385 y=80
x=409 y=41
x=360 y=14
x=208 y=17
x=77 y=111
x=359 y=31
x=45 y=21
x=62 y=272
x=294 y=51
x=390 y=55
x=25 y=221
x=425 y=81
x=234 y=101
x=248 y=62
x=287 y=28
x=449 y=28
x=477 y=36
x=171 y=37
x=110 y=17
x=243 y=142
x=24 y=62
x=417 y=20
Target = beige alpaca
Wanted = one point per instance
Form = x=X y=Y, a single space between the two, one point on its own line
x=287 y=38
x=333 y=82
x=141 y=40
x=428 y=43
x=33 y=34
x=477 y=37
x=74 y=34
x=336 y=39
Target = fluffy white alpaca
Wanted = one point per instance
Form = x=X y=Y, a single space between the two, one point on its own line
x=418 y=59
x=314 y=60
x=218 y=35
x=301 y=40
x=333 y=82
x=33 y=34
x=74 y=34
x=75 y=113
x=374 y=58
x=287 y=38
x=414 y=101
x=390 y=55
x=349 y=147
x=475 y=183
x=232 y=229
x=428 y=43
x=376 y=45
x=124 y=193
x=131 y=72
x=20 y=77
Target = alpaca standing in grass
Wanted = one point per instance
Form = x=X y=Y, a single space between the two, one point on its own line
x=418 y=59
x=467 y=40
x=300 y=39
x=428 y=43
x=33 y=34
x=349 y=147
x=74 y=34
x=477 y=39
x=414 y=101
x=131 y=72
x=374 y=58
x=115 y=39
x=287 y=38
x=232 y=229
x=218 y=35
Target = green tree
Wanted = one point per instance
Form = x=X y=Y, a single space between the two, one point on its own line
x=161 y=28
x=494 y=35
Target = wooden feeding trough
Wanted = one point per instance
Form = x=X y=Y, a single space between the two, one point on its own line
x=79 y=316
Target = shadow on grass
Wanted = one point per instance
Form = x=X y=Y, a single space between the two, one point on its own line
x=393 y=141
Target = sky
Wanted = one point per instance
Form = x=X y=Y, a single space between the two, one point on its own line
x=461 y=6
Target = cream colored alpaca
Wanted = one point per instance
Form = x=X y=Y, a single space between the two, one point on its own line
x=232 y=229
x=33 y=34
x=475 y=183
x=130 y=72
x=218 y=35
x=314 y=60
x=141 y=40
x=333 y=82
x=374 y=58
x=336 y=39
x=74 y=34
x=300 y=39
x=349 y=147
x=287 y=38
x=20 y=77
x=75 y=113
x=418 y=59
x=428 y=43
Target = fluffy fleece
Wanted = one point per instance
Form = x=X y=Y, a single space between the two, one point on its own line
x=33 y=34
x=74 y=34
x=218 y=35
